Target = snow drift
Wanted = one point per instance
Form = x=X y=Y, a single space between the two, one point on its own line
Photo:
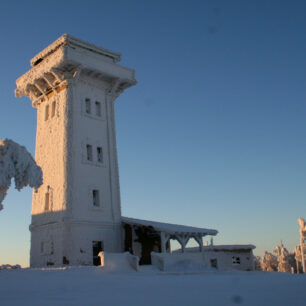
x=123 y=262
x=16 y=162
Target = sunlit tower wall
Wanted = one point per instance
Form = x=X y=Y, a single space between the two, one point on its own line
x=76 y=212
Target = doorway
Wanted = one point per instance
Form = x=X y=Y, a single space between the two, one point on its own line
x=97 y=247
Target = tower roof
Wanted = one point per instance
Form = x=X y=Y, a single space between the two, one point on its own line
x=67 y=39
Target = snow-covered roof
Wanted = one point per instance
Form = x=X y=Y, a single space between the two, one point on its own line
x=230 y=247
x=170 y=228
x=68 y=39
x=224 y=248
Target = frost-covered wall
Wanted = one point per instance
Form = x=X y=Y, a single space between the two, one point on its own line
x=218 y=257
x=230 y=260
x=16 y=162
x=226 y=257
x=73 y=85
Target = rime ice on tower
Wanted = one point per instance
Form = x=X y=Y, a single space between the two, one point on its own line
x=76 y=212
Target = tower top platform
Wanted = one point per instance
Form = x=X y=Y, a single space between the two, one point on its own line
x=68 y=57
x=67 y=39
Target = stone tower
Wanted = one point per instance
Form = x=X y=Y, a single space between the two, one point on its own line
x=76 y=212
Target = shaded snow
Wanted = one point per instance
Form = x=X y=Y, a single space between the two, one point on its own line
x=16 y=162
x=93 y=286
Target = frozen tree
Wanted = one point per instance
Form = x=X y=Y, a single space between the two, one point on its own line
x=268 y=262
x=16 y=162
x=282 y=258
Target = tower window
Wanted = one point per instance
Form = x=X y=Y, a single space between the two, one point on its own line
x=98 y=109
x=42 y=247
x=53 y=109
x=95 y=198
x=47 y=201
x=99 y=155
x=46 y=112
x=87 y=106
x=89 y=152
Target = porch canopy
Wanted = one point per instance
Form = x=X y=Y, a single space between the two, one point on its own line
x=181 y=233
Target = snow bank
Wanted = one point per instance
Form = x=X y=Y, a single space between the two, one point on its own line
x=179 y=262
x=16 y=162
x=123 y=262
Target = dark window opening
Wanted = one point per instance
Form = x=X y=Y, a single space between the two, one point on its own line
x=47 y=112
x=65 y=260
x=236 y=260
x=214 y=263
x=87 y=106
x=53 y=109
x=95 y=198
x=42 y=247
x=97 y=247
x=99 y=155
x=89 y=152
x=47 y=201
x=98 y=109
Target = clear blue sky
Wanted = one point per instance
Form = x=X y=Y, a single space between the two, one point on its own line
x=214 y=133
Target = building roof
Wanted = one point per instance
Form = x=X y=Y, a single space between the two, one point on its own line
x=170 y=228
x=223 y=248
x=230 y=247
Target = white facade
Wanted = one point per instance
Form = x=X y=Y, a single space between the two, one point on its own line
x=230 y=257
x=76 y=212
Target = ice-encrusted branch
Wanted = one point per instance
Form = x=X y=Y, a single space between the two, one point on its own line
x=16 y=162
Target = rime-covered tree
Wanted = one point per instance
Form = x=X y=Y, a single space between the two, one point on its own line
x=16 y=162
x=269 y=262
x=282 y=258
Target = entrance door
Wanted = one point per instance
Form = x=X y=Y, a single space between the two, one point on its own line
x=97 y=247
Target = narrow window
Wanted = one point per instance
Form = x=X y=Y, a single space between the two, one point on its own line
x=99 y=155
x=95 y=198
x=47 y=112
x=47 y=201
x=98 y=109
x=42 y=247
x=87 y=106
x=89 y=152
x=53 y=109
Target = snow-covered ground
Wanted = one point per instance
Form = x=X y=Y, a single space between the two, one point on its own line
x=86 y=286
